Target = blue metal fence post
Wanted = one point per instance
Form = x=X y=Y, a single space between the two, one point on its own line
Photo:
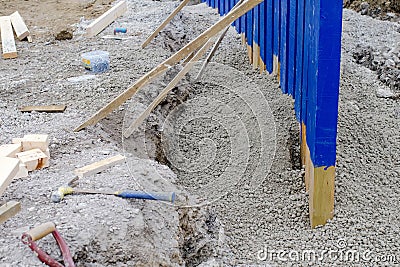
x=324 y=110
x=291 y=76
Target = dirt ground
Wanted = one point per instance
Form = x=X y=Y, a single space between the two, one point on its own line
x=63 y=16
x=230 y=138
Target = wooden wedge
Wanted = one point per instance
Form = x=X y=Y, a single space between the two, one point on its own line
x=184 y=52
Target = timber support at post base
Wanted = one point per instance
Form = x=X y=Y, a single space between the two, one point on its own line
x=299 y=41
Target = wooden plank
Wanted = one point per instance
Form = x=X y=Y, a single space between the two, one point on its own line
x=9 y=168
x=7 y=38
x=48 y=109
x=165 y=22
x=10 y=150
x=33 y=159
x=99 y=166
x=9 y=210
x=106 y=19
x=157 y=71
x=21 y=31
x=168 y=89
x=256 y=56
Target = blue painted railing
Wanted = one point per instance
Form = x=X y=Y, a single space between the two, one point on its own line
x=300 y=42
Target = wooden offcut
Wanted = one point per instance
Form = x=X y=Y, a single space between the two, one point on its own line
x=9 y=168
x=33 y=159
x=21 y=31
x=163 y=67
x=165 y=22
x=9 y=210
x=32 y=141
x=7 y=38
x=99 y=166
x=48 y=109
x=106 y=19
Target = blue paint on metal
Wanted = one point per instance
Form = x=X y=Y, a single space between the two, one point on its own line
x=277 y=19
x=306 y=61
x=291 y=76
x=283 y=55
x=237 y=22
x=269 y=35
x=249 y=27
x=299 y=59
x=221 y=7
x=328 y=77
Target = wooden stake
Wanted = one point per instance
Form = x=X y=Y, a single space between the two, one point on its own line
x=9 y=210
x=256 y=55
x=168 y=89
x=321 y=195
x=166 y=21
x=275 y=66
x=7 y=38
x=244 y=43
x=250 y=53
x=185 y=51
x=106 y=19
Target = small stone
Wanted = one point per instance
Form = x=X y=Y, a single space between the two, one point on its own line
x=64 y=35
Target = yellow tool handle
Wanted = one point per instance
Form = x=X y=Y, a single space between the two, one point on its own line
x=41 y=231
